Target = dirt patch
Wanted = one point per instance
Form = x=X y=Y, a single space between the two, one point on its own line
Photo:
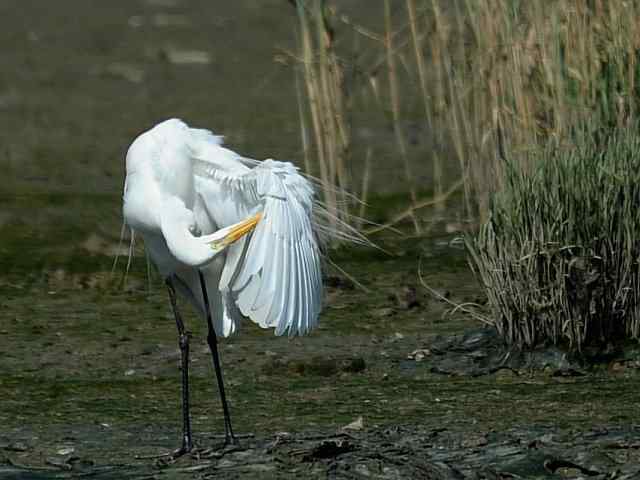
x=383 y=453
x=481 y=351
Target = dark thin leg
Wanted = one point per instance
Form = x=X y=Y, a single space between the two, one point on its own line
x=187 y=440
x=229 y=437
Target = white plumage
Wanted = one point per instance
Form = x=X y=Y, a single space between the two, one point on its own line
x=182 y=186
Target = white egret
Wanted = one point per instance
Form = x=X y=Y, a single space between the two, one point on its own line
x=236 y=236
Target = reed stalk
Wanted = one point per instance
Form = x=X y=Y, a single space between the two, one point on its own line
x=323 y=81
x=488 y=75
x=424 y=93
x=559 y=256
x=395 y=109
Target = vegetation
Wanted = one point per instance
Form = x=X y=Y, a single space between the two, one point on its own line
x=558 y=256
x=553 y=87
x=322 y=79
x=479 y=75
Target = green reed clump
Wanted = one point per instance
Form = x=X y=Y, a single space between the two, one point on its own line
x=558 y=255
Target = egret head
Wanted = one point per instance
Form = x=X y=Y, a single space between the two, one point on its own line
x=161 y=156
x=149 y=145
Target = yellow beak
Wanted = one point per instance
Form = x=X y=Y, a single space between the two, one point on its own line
x=236 y=232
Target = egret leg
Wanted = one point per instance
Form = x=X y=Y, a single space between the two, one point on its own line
x=187 y=440
x=212 y=340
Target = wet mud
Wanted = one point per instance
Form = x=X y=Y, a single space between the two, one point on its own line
x=390 y=385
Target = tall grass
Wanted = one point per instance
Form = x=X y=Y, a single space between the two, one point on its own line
x=559 y=254
x=537 y=70
x=323 y=86
x=488 y=76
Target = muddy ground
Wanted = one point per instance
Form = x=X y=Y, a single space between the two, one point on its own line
x=90 y=386
x=89 y=381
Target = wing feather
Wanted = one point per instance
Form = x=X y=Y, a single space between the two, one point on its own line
x=278 y=312
x=274 y=277
x=290 y=310
x=229 y=275
x=284 y=256
x=310 y=293
x=316 y=277
x=255 y=257
x=268 y=288
x=303 y=291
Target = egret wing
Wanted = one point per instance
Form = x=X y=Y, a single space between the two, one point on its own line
x=274 y=276
x=277 y=284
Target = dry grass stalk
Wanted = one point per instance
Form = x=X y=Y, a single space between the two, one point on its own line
x=304 y=132
x=542 y=70
x=395 y=109
x=364 y=189
x=422 y=76
x=323 y=86
x=536 y=70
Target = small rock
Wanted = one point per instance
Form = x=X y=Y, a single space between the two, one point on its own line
x=363 y=470
x=505 y=374
x=475 y=441
x=617 y=367
x=383 y=312
x=568 y=472
x=353 y=365
x=325 y=367
x=225 y=463
x=406 y=298
x=65 y=450
x=61 y=463
x=329 y=449
x=17 y=447
x=357 y=424
x=419 y=355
